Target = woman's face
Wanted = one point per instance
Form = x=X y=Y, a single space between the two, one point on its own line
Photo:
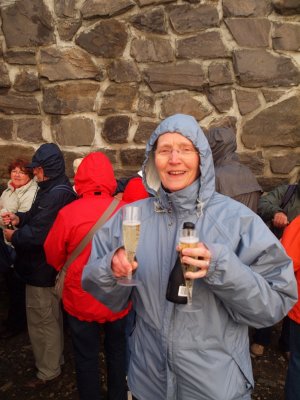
x=19 y=177
x=177 y=161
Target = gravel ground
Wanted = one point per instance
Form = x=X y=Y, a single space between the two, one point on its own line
x=17 y=366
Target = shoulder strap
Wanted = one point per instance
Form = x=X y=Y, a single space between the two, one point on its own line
x=104 y=217
x=287 y=196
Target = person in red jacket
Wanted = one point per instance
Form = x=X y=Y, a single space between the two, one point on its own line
x=95 y=184
x=291 y=243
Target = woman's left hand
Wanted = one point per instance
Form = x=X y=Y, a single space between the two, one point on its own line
x=199 y=257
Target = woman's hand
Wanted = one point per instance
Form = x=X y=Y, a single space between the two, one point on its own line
x=8 y=233
x=280 y=220
x=199 y=257
x=120 y=265
x=8 y=217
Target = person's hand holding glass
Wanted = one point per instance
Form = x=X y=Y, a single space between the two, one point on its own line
x=123 y=262
x=194 y=257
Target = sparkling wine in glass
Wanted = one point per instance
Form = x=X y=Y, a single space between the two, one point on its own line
x=131 y=233
x=188 y=238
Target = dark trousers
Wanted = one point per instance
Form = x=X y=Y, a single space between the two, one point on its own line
x=86 y=344
x=16 y=315
x=292 y=384
x=263 y=336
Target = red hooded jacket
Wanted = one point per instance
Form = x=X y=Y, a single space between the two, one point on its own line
x=95 y=184
x=291 y=242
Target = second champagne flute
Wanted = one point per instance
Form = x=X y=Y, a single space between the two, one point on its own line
x=188 y=238
x=131 y=233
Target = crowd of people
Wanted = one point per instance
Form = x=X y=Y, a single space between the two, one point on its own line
x=160 y=348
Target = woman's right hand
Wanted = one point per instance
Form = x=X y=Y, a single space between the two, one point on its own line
x=280 y=220
x=120 y=265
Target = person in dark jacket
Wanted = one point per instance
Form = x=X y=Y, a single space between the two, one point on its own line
x=44 y=316
x=232 y=177
x=277 y=208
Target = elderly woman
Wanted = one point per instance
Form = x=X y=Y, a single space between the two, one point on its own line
x=19 y=195
x=243 y=276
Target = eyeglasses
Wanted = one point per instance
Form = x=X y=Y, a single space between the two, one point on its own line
x=16 y=172
x=182 y=152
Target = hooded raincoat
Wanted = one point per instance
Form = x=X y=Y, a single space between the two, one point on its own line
x=233 y=178
x=203 y=354
x=95 y=184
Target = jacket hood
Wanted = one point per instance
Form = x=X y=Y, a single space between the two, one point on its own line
x=223 y=145
x=232 y=177
x=135 y=190
x=187 y=126
x=50 y=158
x=95 y=174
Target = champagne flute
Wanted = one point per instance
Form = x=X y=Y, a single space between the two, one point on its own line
x=131 y=233
x=188 y=238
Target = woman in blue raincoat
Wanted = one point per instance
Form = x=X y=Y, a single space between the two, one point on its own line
x=244 y=277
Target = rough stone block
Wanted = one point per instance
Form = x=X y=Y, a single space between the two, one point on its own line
x=184 y=103
x=153 y=21
x=115 y=129
x=6 y=128
x=30 y=130
x=27 y=23
x=277 y=125
x=12 y=103
x=68 y=98
x=220 y=73
x=250 y=32
x=273 y=70
x=118 y=98
x=204 y=45
x=247 y=101
x=152 y=50
x=187 y=75
x=221 y=98
x=186 y=19
x=106 y=39
x=133 y=157
x=286 y=37
x=58 y=64
x=78 y=131
x=144 y=131
x=104 y=8
x=123 y=71
x=26 y=81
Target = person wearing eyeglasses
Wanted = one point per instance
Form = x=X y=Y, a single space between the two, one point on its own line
x=200 y=351
x=17 y=197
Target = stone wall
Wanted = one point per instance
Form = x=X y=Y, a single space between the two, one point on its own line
x=100 y=74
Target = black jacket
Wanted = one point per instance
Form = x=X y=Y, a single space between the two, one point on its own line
x=35 y=224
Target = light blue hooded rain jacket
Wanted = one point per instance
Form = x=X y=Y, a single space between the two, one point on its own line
x=204 y=354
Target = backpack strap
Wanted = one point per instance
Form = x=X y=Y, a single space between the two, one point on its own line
x=287 y=196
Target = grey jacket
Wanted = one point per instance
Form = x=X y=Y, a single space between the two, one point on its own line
x=204 y=354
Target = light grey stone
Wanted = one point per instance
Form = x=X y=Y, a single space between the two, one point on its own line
x=30 y=129
x=118 y=98
x=247 y=101
x=73 y=131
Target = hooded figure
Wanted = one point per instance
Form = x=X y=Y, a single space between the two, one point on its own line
x=44 y=316
x=232 y=178
x=245 y=278
x=95 y=184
